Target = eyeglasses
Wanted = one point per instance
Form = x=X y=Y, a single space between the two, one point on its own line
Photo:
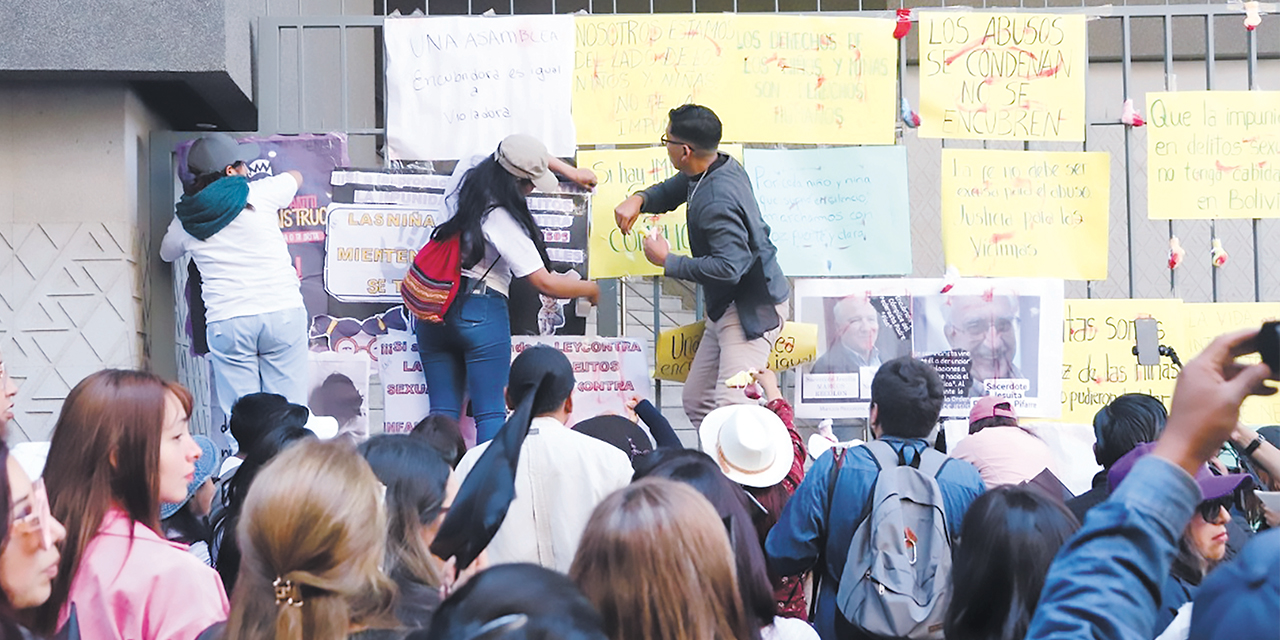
x=1211 y=511
x=981 y=326
x=31 y=514
x=665 y=140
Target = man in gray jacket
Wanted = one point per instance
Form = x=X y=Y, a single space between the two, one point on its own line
x=733 y=259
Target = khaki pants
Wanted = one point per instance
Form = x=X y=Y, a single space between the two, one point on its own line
x=723 y=352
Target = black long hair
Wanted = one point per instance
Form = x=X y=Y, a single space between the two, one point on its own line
x=1007 y=542
x=270 y=445
x=484 y=188
x=416 y=477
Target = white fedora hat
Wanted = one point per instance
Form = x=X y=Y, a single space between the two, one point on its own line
x=749 y=442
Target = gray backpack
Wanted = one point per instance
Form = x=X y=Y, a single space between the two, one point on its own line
x=896 y=580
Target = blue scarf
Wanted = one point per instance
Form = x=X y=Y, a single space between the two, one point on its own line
x=214 y=207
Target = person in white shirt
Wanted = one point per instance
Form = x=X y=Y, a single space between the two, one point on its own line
x=257 y=324
x=559 y=475
x=499 y=241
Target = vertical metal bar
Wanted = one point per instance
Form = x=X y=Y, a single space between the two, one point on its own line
x=1168 y=81
x=1209 y=65
x=607 y=309
x=1253 y=86
x=302 y=81
x=269 y=80
x=657 y=328
x=342 y=77
x=1126 y=68
x=622 y=306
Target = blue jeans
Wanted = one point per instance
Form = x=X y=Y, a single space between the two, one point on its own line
x=266 y=352
x=469 y=352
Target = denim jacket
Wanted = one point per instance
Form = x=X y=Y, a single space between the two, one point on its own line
x=1106 y=580
x=806 y=533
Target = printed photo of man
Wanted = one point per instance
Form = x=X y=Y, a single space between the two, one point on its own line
x=987 y=328
x=855 y=329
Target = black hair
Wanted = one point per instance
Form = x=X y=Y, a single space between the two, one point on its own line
x=907 y=394
x=696 y=125
x=528 y=371
x=9 y=627
x=1009 y=538
x=186 y=527
x=271 y=444
x=543 y=605
x=1128 y=421
x=416 y=477
x=700 y=471
x=200 y=182
x=484 y=188
x=992 y=421
x=256 y=414
x=442 y=433
x=337 y=397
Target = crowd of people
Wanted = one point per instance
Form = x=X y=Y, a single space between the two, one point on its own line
x=611 y=529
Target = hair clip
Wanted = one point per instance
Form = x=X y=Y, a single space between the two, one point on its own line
x=287 y=592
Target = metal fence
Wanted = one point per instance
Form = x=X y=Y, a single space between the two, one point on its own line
x=320 y=73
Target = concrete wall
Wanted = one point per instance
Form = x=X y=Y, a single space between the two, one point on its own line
x=72 y=170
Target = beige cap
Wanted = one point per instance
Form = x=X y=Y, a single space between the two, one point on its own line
x=524 y=156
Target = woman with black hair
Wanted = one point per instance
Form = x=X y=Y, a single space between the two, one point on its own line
x=420 y=489
x=1007 y=542
x=268 y=447
x=499 y=240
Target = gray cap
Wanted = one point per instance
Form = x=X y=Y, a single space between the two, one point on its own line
x=213 y=152
x=524 y=156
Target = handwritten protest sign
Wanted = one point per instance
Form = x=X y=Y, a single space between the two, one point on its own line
x=809 y=79
x=839 y=211
x=404 y=389
x=629 y=71
x=609 y=371
x=1213 y=154
x=1097 y=353
x=458 y=85
x=1002 y=76
x=795 y=345
x=1206 y=321
x=622 y=172
x=1025 y=213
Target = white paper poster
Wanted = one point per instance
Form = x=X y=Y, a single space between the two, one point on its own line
x=840 y=211
x=608 y=371
x=985 y=336
x=405 y=400
x=458 y=85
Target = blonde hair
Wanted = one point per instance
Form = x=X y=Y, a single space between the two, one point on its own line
x=656 y=561
x=314 y=520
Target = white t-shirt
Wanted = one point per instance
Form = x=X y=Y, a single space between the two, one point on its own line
x=246 y=266
x=788 y=629
x=506 y=242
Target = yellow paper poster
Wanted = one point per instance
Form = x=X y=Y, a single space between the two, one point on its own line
x=622 y=172
x=1002 y=76
x=1032 y=214
x=1213 y=154
x=795 y=345
x=1097 y=353
x=1206 y=321
x=629 y=71
x=810 y=79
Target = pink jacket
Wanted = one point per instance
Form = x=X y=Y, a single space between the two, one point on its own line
x=146 y=588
